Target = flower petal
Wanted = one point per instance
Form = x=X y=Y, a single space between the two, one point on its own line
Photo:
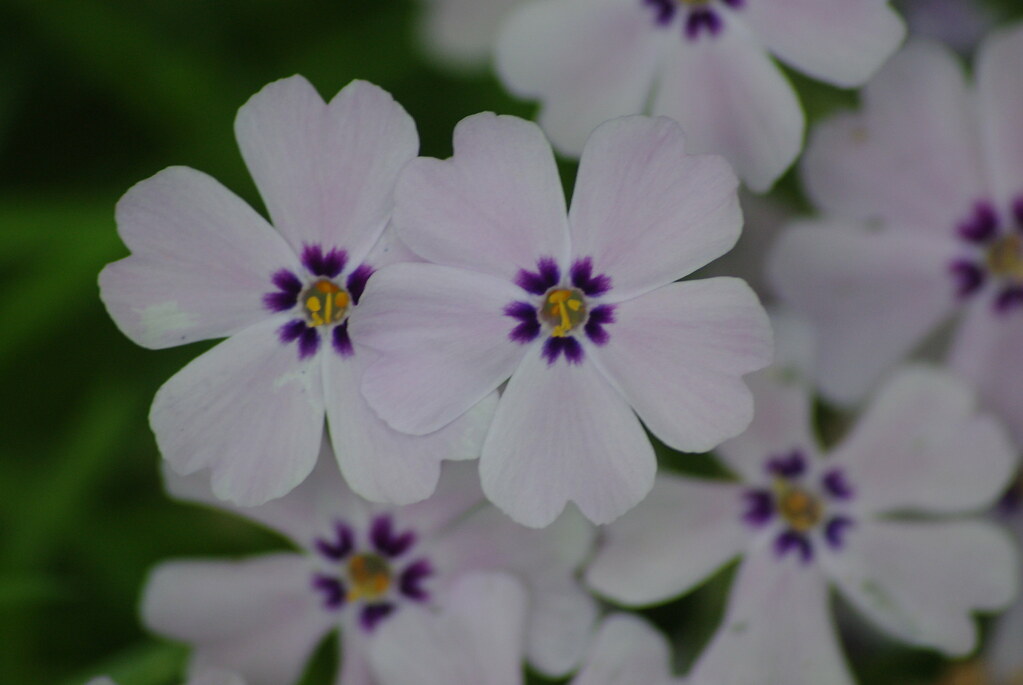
x=647 y=213
x=462 y=33
x=987 y=351
x=326 y=171
x=684 y=531
x=458 y=493
x=907 y=451
x=442 y=339
x=380 y=463
x=1000 y=92
x=201 y=261
x=777 y=628
x=872 y=294
x=587 y=61
x=732 y=100
x=476 y=640
x=563 y=434
x=249 y=410
x=1003 y=652
x=496 y=206
x=920 y=581
x=840 y=42
x=258 y=617
x=911 y=157
x=356 y=668
x=627 y=651
x=678 y=354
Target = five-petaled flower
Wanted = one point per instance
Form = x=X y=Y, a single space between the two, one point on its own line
x=205 y=265
x=854 y=518
x=579 y=312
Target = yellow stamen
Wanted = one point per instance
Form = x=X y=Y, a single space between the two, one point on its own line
x=369 y=577
x=800 y=509
x=1005 y=258
x=326 y=302
x=564 y=309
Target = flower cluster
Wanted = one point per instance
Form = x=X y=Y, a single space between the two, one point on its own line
x=401 y=316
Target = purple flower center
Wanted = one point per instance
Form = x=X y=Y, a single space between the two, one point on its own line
x=701 y=17
x=561 y=310
x=804 y=507
x=321 y=301
x=995 y=255
x=375 y=571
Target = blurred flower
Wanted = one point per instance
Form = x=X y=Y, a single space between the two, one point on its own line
x=923 y=195
x=204 y=265
x=581 y=312
x=1004 y=657
x=802 y=522
x=702 y=62
x=360 y=565
x=960 y=24
x=462 y=33
x=205 y=677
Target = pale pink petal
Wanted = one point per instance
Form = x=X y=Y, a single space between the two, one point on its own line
x=627 y=651
x=911 y=157
x=988 y=351
x=920 y=581
x=326 y=171
x=1000 y=89
x=908 y=452
x=201 y=261
x=872 y=294
x=777 y=628
x=561 y=620
x=390 y=250
x=563 y=434
x=678 y=355
x=378 y=462
x=258 y=617
x=458 y=492
x=476 y=639
x=442 y=339
x=781 y=423
x=587 y=61
x=647 y=213
x=1003 y=653
x=836 y=41
x=496 y=206
x=248 y=410
x=673 y=540
x=462 y=33
x=356 y=668
x=960 y=24
x=732 y=100
x=216 y=676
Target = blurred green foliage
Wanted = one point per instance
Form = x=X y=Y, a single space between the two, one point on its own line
x=96 y=95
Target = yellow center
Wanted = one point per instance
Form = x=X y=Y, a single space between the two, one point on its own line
x=325 y=302
x=1005 y=257
x=369 y=577
x=564 y=309
x=801 y=510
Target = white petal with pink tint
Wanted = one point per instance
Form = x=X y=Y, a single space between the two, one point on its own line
x=841 y=42
x=872 y=295
x=476 y=639
x=732 y=100
x=326 y=171
x=1003 y=652
x=587 y=61
x=627 y=651
x=201 y=261
x=442 y=339
x=921 y=581
x=496 y=206
x=908 y=451
x=378 y=462
x=257 y=617
x=911 y=157
x=249 y=410
x=683 y=532
x=678 y=355
x=988 y=351
x=462 y=33
x=999 y=72
x=563 y=434
x=777 y=628
x=646 y=212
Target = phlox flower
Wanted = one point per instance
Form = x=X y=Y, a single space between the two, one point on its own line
x=204 y=265
x=357 y=566
x=803 y=522
x=578 y=314
x=1005 y=655
x=464 y=646
x=922 y=194
x=207 y=677
x=705 y=63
